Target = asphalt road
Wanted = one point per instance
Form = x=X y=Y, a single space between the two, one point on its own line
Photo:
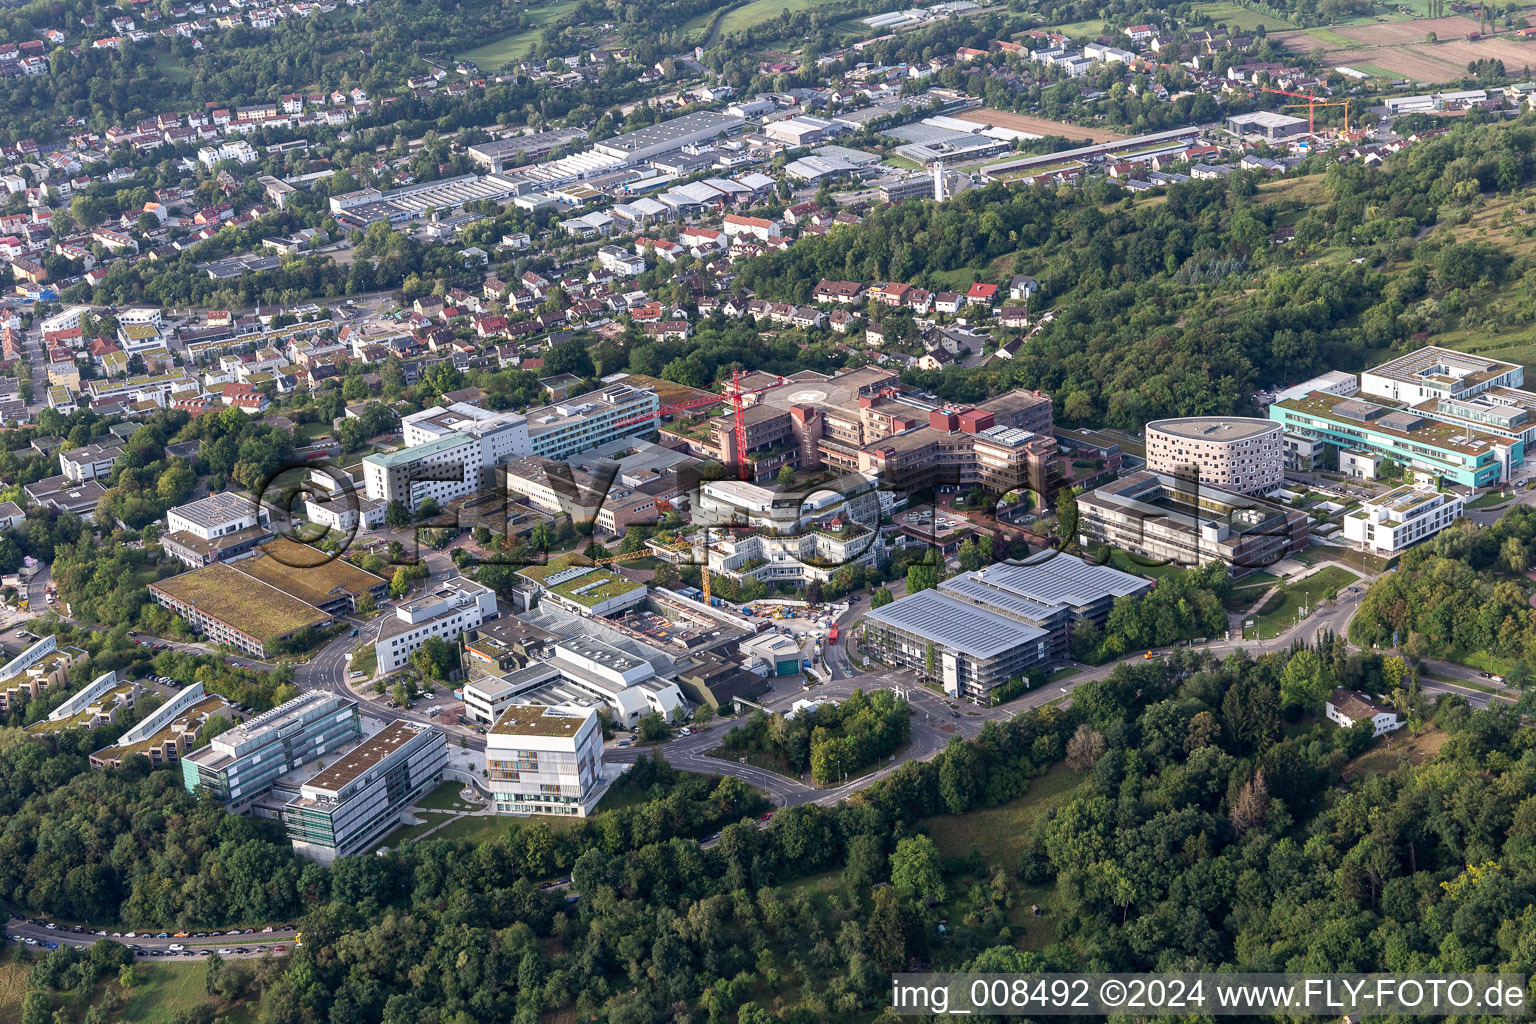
x=256 y=944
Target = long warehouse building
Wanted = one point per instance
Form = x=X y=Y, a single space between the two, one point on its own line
x=665 y=136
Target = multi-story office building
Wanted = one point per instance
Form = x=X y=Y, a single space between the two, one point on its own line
x=599 y=417
x=1445 y=451
x=862 y=421
x=1185 y=522
x=1452 y=416
x=218 y=528
x=1234 y=453
x=1388 y=524
x=979 y=629
x=1439 y=373
x=242 y=764
x=451 y=453
x=996 y=459
x=584 y=589
x=232 y=608
x=545 y=760
x=351 y=805
x=613 y=486
x=501 y=154
x=579 y=671
x=448 y=610
x=798 y=536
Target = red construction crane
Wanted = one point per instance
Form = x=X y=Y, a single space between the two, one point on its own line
x=1312 y=101
x=734 y=394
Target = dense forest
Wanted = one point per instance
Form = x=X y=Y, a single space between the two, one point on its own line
x=1462 y=592
x=1205 y=823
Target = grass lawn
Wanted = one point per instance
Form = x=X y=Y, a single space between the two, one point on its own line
x=1060 y=674
x=956 y=280
x=1233 y=16
x=365 y=660
x=168 y=66
x=1333 y=40
x=1490 y=500
x=484 y=827
x=446 y=798
x=1280 y=615
x=166 y=990
x=1387 y=752
x=518 y=44
x=750 y=15
x=896 y=160
x=999 y=832
x=1483 y=662
x=1089 y=27
x=13 y=985
x=410 y=833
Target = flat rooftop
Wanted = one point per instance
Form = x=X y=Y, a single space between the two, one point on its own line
x=1385 y=416
x=406 y=456
x=588 y=406
x=366 y=755
x=951 y=623
x=1405 y=499
x=241 y=602
x=1057 y=578
x=1215 y=428
x=1443 y=368
x=192 y=542
x=678 y=129
x=308 y=573
x=590 y=587
x=536 y=720
x=217 y=509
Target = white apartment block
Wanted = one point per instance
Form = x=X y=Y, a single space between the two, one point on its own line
x=450 y=454
x=545 y=760
x=619 y=262
x=448 y=610
x=1402 y=517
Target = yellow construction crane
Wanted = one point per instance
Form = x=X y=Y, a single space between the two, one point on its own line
x=1327 y=103
x=704 y=569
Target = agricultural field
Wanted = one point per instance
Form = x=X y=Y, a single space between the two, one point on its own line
x=1036 y=125
x=750 y=15
x=1397 y=49
x=1078 y=29
x=1415 y=63
x=519 y=44
x=1233 y=16
x=1392 y=33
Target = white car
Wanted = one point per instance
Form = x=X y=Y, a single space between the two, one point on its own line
x=176 y=947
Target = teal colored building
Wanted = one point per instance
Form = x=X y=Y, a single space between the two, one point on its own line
x=1455 y=451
